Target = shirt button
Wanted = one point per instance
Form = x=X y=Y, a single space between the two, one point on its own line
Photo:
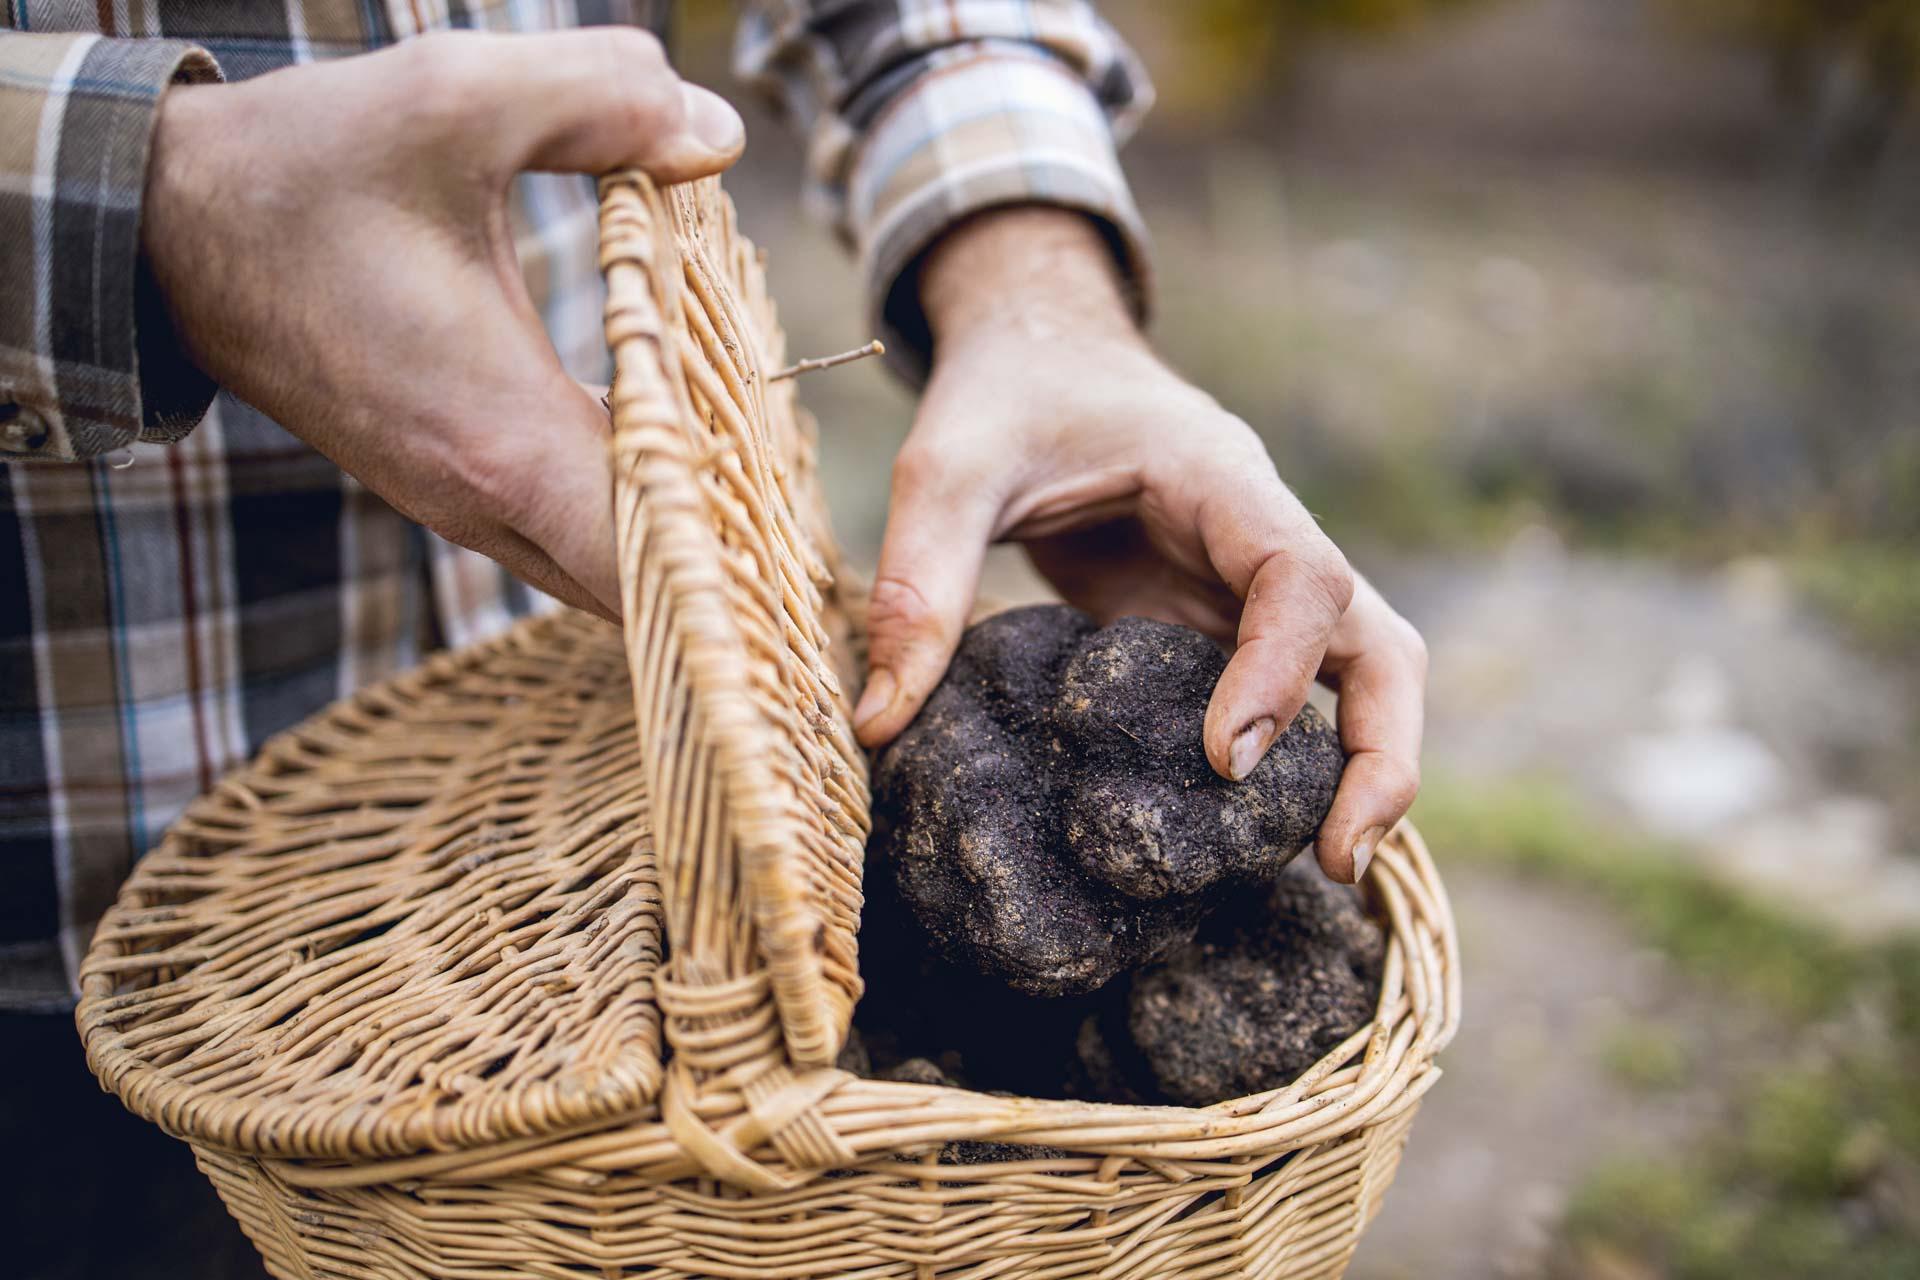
x=21 y=430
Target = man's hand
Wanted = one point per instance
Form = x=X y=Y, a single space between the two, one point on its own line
x=332 y=243
x=1050 y=422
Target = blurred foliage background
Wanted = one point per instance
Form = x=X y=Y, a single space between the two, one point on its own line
x=1640 y=268
x=1591 y=330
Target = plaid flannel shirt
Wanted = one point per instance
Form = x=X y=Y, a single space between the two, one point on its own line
x=184 y=578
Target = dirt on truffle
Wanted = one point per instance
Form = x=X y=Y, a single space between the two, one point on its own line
x=1050 y=819
x=1271 y=985
x=1273 y=982
x=975 y=1028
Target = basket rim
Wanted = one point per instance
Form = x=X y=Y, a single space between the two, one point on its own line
x=1369 y=1081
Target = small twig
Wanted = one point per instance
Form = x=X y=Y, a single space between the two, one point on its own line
x=874 y=348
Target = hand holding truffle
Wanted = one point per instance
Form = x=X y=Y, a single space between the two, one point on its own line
x=1049 y=818
x=1050 y=422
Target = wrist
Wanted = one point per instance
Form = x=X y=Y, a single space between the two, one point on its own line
x=166 y=212
x=1032 y=270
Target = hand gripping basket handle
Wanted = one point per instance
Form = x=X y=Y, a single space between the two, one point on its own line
x=758 y=790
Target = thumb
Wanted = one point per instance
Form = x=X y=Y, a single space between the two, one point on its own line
x=938 y=527
x=592 y=100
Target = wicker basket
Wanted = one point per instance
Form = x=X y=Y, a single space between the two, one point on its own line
x=534 y=962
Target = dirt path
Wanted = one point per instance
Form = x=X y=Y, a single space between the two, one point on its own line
x=1556 y=993
x=1706 y=707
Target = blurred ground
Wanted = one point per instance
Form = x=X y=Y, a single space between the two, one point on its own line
x=1708 y=707
x=1530 y=1094
x=1589 y=328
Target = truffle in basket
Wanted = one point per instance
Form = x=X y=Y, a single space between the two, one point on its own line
x=1271 y=985
x=976 y=1029
x=1050 y=818
x=1273 y=981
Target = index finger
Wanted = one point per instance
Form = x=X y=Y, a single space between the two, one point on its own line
x=1294 y=587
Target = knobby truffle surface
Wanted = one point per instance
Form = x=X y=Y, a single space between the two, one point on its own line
x=1270 y=986
x=1050 y=818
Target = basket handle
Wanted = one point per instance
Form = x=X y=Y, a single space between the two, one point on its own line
x=720 y=607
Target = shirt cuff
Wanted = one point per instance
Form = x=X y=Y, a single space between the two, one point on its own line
x=995 y=128
x=99 y=366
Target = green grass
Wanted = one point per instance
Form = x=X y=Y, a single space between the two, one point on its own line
x=1872 y=590
x=1686 y=1223
x=1645 y=1056
x=1818 y=1169
x=1710 y=928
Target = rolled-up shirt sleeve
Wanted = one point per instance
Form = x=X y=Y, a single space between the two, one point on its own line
x=918 y=114
x=88 y=359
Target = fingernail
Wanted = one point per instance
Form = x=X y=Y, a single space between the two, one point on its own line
x=1248 y=746
x=716 y=124
x=877 y=697
x=1363 y=850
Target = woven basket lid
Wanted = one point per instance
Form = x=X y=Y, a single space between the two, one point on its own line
x=462 y=907
x=725 y=570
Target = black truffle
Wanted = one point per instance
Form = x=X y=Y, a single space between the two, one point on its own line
x=1051 y=819
x=976 y=1029
x=1271 y=985
x=921 y=1071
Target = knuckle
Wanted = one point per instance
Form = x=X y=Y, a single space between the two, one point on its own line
x=653 y=108
x=1413 y=644
x=444 y=84
x=440 y=70
x=914 y=470
x=1400 y=780
x=1325 y=571
x=1243 y=443
x=897 y=607
x=645 y=90
x=635 y=48
x=1234 y=450
x=495 y=474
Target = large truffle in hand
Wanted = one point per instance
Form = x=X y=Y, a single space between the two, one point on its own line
x=1050 y=817
x=1272 y=984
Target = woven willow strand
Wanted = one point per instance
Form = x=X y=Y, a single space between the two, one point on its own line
x=737 y=709
x=529 y=963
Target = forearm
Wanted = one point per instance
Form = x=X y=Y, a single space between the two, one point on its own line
x=1034 y=270
x=924 y=115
